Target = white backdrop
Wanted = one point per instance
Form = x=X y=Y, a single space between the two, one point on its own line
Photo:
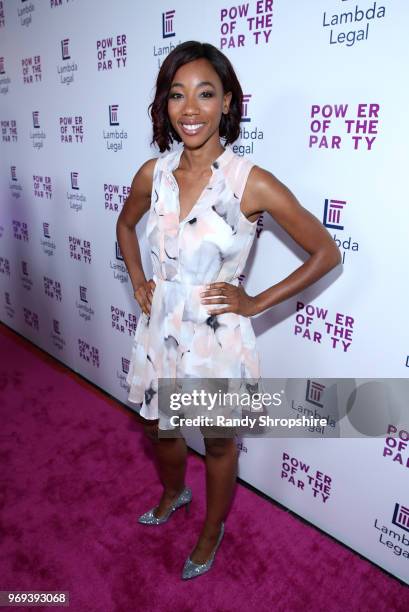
x=325 y=97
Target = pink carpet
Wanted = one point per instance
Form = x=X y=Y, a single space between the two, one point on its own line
x=77 y=471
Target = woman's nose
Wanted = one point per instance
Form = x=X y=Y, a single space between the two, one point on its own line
x=190 y=105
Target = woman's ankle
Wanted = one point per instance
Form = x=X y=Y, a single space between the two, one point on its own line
x=170 y=493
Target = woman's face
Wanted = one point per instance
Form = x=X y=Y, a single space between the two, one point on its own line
x=196 y=102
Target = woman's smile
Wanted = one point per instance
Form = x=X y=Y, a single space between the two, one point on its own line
x=191 y=129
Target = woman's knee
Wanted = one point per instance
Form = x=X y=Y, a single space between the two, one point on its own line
x=219 y=447
x=151 y=431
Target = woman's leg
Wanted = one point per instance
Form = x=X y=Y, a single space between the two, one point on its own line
x=221 y=474
x=170 y=454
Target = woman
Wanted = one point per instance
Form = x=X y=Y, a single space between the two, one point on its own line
x=203 y=202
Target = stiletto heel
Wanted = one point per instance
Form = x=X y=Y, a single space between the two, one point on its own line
x=150 y=519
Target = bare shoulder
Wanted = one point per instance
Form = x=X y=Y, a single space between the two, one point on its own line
x=139 y=199
x=265 y=192
x=142 y=181
x=262 y=183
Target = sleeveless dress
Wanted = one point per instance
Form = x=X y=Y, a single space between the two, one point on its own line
x=180 y=339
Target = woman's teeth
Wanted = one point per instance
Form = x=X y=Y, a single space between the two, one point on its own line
x=191 y=129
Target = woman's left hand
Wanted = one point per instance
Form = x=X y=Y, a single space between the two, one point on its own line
x=234 y=296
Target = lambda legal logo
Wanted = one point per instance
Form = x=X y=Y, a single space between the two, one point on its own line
x=114 y=139
x=8 y=307
x=85 y=311
x=56 y=335
x=244 y=108
x=118 y=266
x=67 y=69
x=113 y=114
x=25 y=278
x=167 y=24
x=36 y=120
x=74 y=180
x=37 y=137
x=75 y=199
x=15 y=187
x=314 y=392
x=401 y=517
x=25 y=13
x=47 y=243
x=65 y=52
x=332 y=213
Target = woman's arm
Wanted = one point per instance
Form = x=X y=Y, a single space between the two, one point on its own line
x=136 y=205
x=264 y=192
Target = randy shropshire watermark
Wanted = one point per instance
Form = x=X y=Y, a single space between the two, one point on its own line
x=284 y=407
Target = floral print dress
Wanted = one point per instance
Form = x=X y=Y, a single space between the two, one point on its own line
x=180 y=339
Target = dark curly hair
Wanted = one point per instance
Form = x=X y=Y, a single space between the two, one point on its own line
x=163 y=132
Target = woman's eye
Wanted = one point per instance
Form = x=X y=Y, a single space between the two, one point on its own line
x=207 y=94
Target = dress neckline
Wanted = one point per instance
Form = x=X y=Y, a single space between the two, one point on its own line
x=215 y=166
x=219 y=162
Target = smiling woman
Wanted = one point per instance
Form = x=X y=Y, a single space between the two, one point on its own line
x=191 y=126
x=215 y=88
x=203 y=201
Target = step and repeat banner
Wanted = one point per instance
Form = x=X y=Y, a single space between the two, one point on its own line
x=325 y=111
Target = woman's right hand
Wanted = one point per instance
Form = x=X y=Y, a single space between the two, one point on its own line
x=143 y=295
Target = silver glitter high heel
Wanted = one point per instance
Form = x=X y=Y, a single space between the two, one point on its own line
x=184 y=499
x=191 y=569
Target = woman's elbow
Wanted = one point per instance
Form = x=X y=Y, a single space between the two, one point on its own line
x=333 y=256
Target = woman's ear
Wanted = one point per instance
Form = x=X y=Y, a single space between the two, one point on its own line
x=226 y=102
